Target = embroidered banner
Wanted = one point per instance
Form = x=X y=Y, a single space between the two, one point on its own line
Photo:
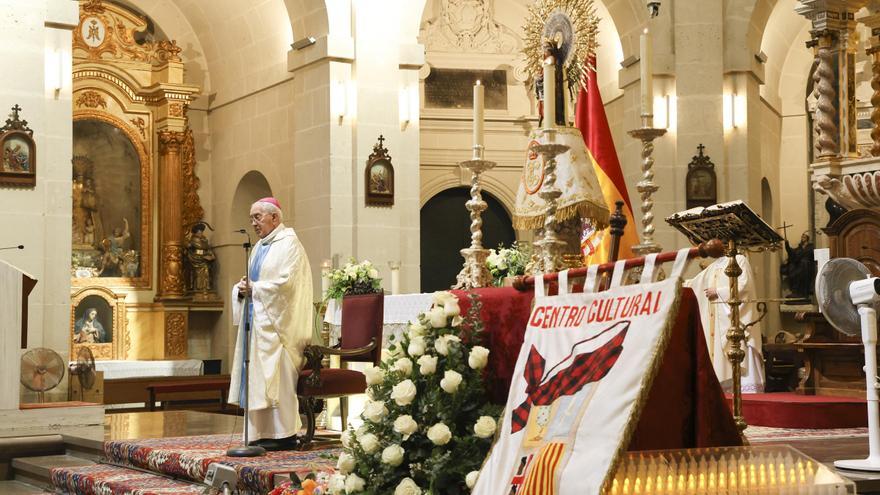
x=584 y=370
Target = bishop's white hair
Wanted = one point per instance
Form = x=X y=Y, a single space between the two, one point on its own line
x=266 y=207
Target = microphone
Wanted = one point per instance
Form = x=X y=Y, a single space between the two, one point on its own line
x=20 y=246
x=240 y=231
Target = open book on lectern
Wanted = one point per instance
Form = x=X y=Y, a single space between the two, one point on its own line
x=725 y=221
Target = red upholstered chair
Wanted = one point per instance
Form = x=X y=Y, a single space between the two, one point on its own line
x=361 y=341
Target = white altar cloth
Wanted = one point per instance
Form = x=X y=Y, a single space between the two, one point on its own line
x=116 y=369
x=399 y=310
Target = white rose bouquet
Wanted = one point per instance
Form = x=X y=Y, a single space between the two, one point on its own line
x=428 y=425
x=352 y=279
x=506 y=262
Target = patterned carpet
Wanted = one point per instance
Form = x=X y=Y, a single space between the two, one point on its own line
x=103 y=479
x=767 y=434
x=186 y=458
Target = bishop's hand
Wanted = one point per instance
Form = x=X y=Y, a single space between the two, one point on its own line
x=244 y=290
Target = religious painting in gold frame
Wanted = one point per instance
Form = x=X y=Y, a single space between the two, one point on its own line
x=18 y=152
x=701 y=187
x=379 y=177
x=111 y=227
x=97 y=321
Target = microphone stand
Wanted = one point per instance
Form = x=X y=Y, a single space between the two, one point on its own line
x=246 y=450
x=20 y=246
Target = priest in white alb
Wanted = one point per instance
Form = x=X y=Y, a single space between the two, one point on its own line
x=281 y=326
x=712 y=288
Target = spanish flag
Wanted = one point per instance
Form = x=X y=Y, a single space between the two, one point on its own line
x=590 y=119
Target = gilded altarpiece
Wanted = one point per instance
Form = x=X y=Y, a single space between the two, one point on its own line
x=133 y=162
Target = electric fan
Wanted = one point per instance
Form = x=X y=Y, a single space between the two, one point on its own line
x=84 y=370
x=848 y=297
x=41 y=370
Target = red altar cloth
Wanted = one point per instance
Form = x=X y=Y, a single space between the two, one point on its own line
x=686 y=407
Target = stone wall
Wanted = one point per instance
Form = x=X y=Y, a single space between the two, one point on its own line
x=36 y=43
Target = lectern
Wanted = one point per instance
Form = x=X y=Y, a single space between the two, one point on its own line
x=739 y=227
x=15 y=286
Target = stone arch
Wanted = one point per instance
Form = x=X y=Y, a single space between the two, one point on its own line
x=782 y=40
x=491 y=185
x=745 y=22
x=251 y=187
x=317 y=17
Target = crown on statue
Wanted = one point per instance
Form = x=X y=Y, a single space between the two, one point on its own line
x=82 y=165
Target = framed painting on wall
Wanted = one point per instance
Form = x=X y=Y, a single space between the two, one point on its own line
x=97 y=321
x=379 y=177
x=18 y=152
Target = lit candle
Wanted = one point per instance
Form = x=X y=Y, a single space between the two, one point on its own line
x=647 y=77
x=549 y=93
x=479 y=110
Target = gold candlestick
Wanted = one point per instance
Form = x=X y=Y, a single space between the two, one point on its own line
x=550 y=246
x=474 y=272
x=647 y=187
x=736 y=332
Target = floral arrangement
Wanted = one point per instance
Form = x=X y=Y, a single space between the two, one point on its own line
x=313 y=484
x=353 y=278
x=427 y=423
x=506 y=262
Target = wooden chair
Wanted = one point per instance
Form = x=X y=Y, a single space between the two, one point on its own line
x=361 y=341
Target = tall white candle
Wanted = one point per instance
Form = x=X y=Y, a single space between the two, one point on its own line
x=549 y=93
x=479 y=111
x=395 y=277
x=325 y=277
x=647 y=73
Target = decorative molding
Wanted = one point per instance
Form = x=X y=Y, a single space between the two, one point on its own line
x=107 y=31
x=170 y=141
x=91 y=99
x=172 y=278
x=140 y=123
x=176 y=109
x=468 y=26
x=14 y=123
x=175 y=335
x=192 y=206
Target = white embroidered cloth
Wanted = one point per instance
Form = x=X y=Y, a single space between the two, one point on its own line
x=399 y=310
x=115 y=369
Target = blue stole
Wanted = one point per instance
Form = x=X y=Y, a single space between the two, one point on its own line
x=254 y=273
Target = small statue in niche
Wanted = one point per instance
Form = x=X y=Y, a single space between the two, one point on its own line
x=201 y=258
x=799 y=271
x=115 y=259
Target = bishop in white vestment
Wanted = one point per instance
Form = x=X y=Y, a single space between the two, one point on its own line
x=712 y=289
x=281 y=326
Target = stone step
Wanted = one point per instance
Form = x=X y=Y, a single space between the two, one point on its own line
x=19 y=488
x=37 y=470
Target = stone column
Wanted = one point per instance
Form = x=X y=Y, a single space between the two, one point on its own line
x=828 y=136
x=171 y=278
x=873 y=22
x=833 y=24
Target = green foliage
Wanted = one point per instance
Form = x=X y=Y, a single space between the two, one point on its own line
x=352 y=279
x=506 y=262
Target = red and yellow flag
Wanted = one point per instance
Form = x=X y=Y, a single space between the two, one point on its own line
x=590 y=119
